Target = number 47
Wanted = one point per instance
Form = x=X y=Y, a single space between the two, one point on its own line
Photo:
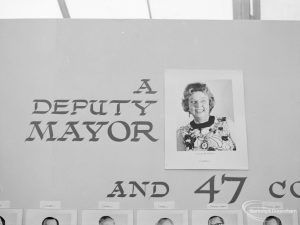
x=211 y=191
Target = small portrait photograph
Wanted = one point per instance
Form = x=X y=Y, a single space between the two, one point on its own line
x=11 y=216
x=50 y=217
x=107 y=217
x=205 y=124
x=162 y=217
x=217 y=217
x=273 y=217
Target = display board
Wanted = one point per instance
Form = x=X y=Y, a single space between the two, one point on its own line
x=83 y=112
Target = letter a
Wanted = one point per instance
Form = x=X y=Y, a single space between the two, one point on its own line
x=145 y=85
x=118 y=188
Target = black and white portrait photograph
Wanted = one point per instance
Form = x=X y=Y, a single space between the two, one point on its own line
x=273 y=217
x=162 y=217
x=205 y=120
x=217 y=217
x=107 y=217
x=50 y=217
x=11 y=216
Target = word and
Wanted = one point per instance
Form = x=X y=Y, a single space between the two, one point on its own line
x=159 y=189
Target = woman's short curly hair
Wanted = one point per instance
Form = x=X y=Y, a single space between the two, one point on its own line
x=193 y=87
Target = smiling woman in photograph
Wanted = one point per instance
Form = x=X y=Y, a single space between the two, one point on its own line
x=205 y=132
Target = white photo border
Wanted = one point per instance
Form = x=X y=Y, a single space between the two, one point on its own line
x=162 y=213
x=29 y=213
x=216 y=212
x=18 y=212
x=235 y=160
x=253 y=219
x=102 y=212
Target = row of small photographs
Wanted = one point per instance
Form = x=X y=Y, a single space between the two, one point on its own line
x=145 y=217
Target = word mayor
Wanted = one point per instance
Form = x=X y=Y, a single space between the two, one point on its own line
x=117 y=130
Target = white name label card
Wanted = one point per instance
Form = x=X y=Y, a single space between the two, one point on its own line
x=164 y=205
x=217 y=206
x=108 y=205
x=4 y=204
x=50 y=204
